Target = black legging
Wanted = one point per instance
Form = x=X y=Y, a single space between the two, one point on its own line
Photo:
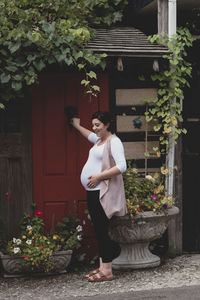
x=108 y=250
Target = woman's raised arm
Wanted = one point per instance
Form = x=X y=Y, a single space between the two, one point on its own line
x=75 y=122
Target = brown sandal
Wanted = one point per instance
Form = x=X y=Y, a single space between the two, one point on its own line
x=101 y=277
x=94 y=272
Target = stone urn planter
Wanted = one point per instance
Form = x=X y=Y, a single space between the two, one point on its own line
x=13 y=266
x=135 y=234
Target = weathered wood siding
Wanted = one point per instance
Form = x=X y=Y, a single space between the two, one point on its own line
x=15 y=164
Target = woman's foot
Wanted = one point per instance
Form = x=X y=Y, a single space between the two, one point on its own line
x=94 y=272
x=100 y=276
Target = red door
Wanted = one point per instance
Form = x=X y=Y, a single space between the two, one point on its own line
x=59 y=152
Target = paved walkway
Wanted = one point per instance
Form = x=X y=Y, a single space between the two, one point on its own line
x=182 y=271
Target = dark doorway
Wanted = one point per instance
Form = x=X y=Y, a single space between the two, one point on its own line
x=191 y=159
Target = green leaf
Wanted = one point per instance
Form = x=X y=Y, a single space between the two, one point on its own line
x=5 y=78
x=147 y=154
x=51 y=60
x=78 y=55
x=184 y=130
x=104 y=55
x=81 y=66
x=14 y=46
x=141 y=77
x=156 y=175
x=96 y=88
x=157 y=127
x=85 y=82
x=68 y=61
x=11 y=68
x=39 y=65
x=31 y=57
x=16 y=85
x=92 y=74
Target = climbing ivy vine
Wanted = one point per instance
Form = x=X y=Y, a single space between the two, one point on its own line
x=38 y=33
x=172 y=80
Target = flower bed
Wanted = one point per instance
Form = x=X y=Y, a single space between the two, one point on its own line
x=37 y=251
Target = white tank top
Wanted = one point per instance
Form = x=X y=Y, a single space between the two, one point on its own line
x=92 y=166
x=94 y=162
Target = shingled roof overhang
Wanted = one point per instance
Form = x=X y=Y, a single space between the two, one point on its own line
x=125 y=41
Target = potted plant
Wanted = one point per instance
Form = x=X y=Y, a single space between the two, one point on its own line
x=35 y=251
x=149 y=211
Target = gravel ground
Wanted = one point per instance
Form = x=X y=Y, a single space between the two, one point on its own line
x=180 y=271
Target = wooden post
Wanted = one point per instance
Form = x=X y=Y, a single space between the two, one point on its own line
x=167 y=24
x=162 y=16
x=179 y=197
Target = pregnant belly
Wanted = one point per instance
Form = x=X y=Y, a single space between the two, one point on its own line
x=86 y=172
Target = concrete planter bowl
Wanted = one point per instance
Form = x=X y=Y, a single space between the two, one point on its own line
x=134 y=236
x=13 y=266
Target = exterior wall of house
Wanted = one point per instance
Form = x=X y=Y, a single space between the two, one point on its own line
x=55 y=144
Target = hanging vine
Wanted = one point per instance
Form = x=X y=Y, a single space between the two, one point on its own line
x=37 y=33
x=172 y=80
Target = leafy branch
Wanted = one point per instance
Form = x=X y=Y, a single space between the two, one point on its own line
x=37 y=33
x=172 y=80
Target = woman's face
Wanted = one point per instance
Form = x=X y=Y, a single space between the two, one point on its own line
x=99 y=128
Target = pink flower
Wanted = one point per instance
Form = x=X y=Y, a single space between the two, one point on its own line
x=38 y=213
x=154 y=197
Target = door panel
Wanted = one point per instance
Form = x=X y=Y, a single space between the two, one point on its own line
x=59 y=152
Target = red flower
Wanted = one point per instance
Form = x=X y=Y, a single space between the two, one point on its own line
x=41 y=247
x=26 y=258
x=8 y=196
x=39 y=213
x=31 y=217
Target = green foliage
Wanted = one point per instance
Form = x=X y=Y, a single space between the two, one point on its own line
x=38 y=33
x=66 y=239
x=172 y=80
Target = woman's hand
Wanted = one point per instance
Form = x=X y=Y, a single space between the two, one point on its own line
x=93 y=181
x=75 y=122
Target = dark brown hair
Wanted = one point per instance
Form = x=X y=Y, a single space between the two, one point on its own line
x=105 y=117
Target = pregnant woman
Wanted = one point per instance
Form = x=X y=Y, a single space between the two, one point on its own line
x=102 y=178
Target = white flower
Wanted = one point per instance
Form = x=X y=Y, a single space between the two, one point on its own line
x=18 y=241
x=79 y=228
x=16 y=250
x=79 y=237
x=14 y=240
x=29 y=227
x=84 y=222
x=29 y=242
x=88 y=216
